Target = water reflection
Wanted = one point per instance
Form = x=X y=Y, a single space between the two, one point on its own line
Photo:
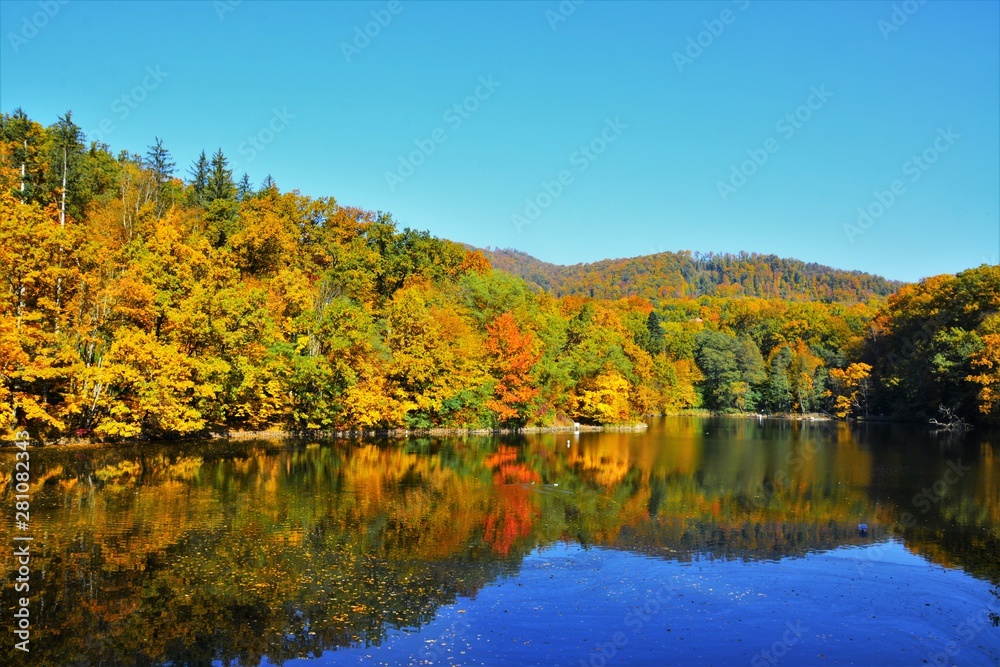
x=188 y=554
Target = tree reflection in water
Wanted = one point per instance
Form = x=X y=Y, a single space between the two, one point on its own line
x=233 y=552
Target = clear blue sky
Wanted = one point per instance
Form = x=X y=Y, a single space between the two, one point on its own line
x=914 y=84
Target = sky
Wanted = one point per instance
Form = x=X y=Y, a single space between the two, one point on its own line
x=858 y=135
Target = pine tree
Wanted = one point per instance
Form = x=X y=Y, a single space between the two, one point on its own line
x=220 y=179
x=655 y=333
x=158 y=159
x=66 y=147
x=159 y=162
x=244 y=189
x=779 y=391
x=199 y=178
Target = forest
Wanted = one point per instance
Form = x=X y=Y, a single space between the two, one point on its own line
x=142 y=302
x=667 y=275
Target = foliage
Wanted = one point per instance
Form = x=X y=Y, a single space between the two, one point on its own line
x=851 y=389
x=513 y=356
x=154 y=307
x=936 y=343
x=669 y=275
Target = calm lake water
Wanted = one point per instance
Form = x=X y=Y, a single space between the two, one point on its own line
x=703 y=541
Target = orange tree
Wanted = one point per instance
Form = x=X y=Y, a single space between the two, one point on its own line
x=512 y=355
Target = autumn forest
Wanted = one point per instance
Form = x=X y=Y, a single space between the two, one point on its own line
x=145 y=300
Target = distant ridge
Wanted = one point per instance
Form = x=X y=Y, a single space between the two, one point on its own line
x=670 y=275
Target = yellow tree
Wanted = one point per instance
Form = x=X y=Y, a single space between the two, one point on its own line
x=38 y=286
x=851 y=387
x=147 y=386
x=987 y=362
x=803 y=373
x=434 y=353
x=604 y=398
x=266 y=238
x=12 y=357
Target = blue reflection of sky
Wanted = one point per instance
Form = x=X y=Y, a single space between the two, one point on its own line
x=877 y=604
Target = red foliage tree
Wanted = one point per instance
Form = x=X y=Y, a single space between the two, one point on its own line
x=513 y=355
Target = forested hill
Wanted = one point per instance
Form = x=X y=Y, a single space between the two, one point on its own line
x=135 y=303
x=670 y=275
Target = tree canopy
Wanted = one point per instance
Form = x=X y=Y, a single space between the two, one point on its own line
x=136 y=304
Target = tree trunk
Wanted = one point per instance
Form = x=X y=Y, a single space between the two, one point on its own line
x=62 y=213
x=62 y=223
x=23 y=162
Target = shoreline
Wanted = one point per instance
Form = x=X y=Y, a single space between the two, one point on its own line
x=402 y=433
x=398 y=433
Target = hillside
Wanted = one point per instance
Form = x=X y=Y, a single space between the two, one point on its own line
x=670 y=275
x=134 y=304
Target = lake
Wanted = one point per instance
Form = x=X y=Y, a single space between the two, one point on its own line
x=701 y=541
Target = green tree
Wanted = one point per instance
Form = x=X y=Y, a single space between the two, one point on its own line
x=158 y=161
x=220 y=179
x=733 y=369
x=65 y=152
x=244 y=189
x=655 y=330
x=779 y=388
x=25 y=147
x=715 y=353
x=199 y=179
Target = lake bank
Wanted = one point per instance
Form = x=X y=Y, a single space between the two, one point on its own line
x=441 y=432
x=347 y=434
x=276 y=434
